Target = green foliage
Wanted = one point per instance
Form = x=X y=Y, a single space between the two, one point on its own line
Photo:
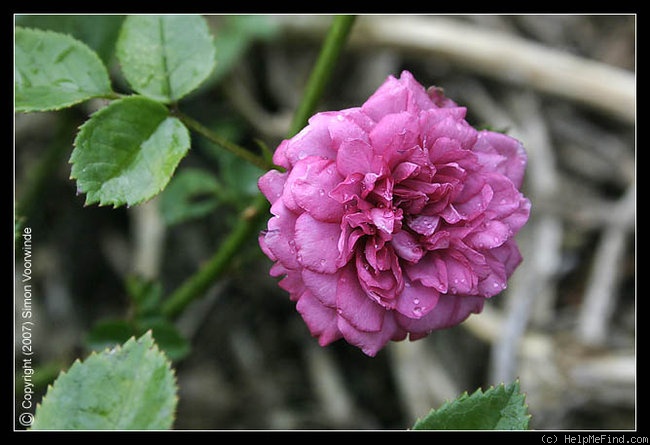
x=238 y=179
x=500 y=408
x=131 y=387
x=146 y=295
x=54 y=71
x=234 y=36
x=99 y=32
x=165 y=57
x=127 y=152
x=111 y=332
x=145 y=315
x=170 y=340
x=192 y=193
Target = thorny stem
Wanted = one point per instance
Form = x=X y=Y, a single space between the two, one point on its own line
x=231 y=147
x=250 y=220
x=322 y=72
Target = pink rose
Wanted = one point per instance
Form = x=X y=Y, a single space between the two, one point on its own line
x=394 y=218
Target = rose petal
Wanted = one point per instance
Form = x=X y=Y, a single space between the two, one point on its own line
x=354 y=305
x=348 y=189
x=474 y=199
x=424 y=225
x=431 y=271
x=507 y=254
x=279 y=239
x=396 y=95
x=391 y=97
x=313 y=140
x=461 y=278
x=292 y=283
x=512 y=156
x=452 y=128
x=321 y=320
x=416 y=300
x=394 y=134
x=405 y=170
x=356 y=156
x=317 y=244
x=280 y=155
x=407 y=246
x=271 y=184
x=372 y=342
x=506 y=198
x=342 y=127
x=489 y=235
x=310 y=182
x=501 y=262
x=381 y=284
x=449 y=311
x=322 y=286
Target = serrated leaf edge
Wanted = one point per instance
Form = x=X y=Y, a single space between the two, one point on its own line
x=479 y=391
x=115 y=203
x=154 y=348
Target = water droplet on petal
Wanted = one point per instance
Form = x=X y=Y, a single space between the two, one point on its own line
x=417 y=311
x=321 y=192
x=302 y=155
x=416 y=301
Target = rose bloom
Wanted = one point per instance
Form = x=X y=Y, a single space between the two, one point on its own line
x=395 y=218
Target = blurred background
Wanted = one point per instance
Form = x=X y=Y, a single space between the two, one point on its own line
x=565 y=327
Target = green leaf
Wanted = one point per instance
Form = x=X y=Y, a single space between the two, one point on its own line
x=127 y=152
x=109 y=333
x=165 y=57
x=146 y=295
x=500 y=408
x=54 y=71
x=145 y=315
x=99 y=32
x=192 y=193
x=131 y=387
x=170 y=340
